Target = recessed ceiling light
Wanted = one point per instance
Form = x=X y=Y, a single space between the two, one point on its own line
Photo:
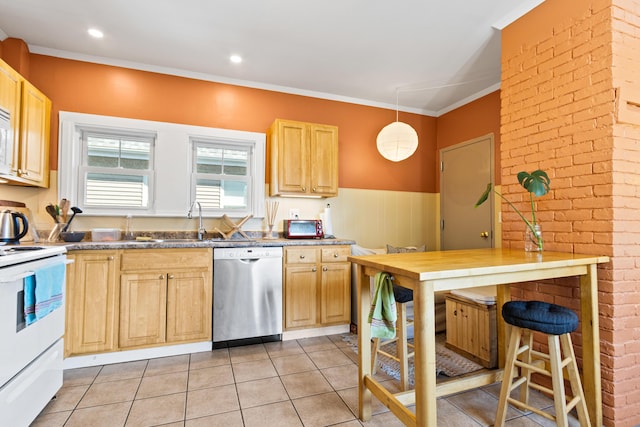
x=236 y=59
x=94 y=32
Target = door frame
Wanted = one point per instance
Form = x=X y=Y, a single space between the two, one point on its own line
x=495 y=242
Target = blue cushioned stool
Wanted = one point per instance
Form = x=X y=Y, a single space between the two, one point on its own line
x=402 y=296
x=557 y=323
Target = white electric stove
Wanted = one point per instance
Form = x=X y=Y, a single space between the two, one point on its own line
x=30 y=355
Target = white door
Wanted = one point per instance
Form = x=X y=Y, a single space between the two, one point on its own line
x=465 y=171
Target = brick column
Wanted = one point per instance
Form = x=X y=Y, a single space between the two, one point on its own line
x=570 y=100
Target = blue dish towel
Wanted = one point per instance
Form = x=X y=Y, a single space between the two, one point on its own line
x=43 y=292
x=30 y=299
x=383 y=315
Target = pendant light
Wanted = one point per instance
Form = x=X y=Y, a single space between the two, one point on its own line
x=397 y=141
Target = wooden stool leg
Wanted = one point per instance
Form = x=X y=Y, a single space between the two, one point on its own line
x=574 y=380
x=527 y=339
x=401 y=346
x=507 y=377
x=559 y=396
x=374 y=355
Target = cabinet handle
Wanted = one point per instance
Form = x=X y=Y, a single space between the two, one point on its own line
x=324 y=268
x=171 y=276
x=110 y=258
x=302 y=257
x=455 y=312
x=336 y=255
x=304 y=188
x=314 y=269
x=161 y=277
x=315 y=189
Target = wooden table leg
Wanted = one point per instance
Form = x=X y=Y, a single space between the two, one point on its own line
x=424 y=333
x=364 y=343
x=591 y=344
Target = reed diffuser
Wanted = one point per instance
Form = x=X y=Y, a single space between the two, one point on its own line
x=272 y=210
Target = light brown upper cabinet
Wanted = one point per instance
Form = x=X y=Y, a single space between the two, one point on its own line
x=304 y=159
x=30 y=113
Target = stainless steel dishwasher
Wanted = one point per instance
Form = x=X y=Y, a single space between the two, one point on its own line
x=247 y=293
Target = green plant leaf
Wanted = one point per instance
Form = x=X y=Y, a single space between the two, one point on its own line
x=483 y=198
x=536 y=182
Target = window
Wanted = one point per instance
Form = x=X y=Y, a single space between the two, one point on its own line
x=222 y=177
x=117 y=166
x=116 y=170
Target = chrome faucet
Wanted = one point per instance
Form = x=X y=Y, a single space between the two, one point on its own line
x=201 y=230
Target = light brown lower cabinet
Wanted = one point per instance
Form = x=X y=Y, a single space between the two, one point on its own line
x=471 y=330
x=317 y=286
x=163 y=296
x=92 y=302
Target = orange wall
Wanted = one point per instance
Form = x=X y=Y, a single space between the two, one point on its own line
x=114 y=91
x=477 y=118
x=106 y=90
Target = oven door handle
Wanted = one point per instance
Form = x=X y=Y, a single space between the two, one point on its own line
x=21 y=276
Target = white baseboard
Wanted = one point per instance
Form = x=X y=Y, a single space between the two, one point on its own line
x=131 y=355
x=315 y=332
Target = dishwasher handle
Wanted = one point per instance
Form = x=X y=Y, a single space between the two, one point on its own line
x=248 y=260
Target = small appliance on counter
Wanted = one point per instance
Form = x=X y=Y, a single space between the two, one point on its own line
x=303 y=229
x=13 y=226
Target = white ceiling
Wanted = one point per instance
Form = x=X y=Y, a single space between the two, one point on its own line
x=435 y=55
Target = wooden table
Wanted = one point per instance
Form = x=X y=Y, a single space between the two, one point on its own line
x=429 y=272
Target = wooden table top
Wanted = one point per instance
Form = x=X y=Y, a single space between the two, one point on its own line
x=471 y=262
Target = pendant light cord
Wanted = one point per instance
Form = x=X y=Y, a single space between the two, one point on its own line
x=397 y=102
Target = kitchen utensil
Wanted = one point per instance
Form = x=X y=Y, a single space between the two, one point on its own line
x=52 y=211
x=11 y=231
x=64 y=209
x=76 y=210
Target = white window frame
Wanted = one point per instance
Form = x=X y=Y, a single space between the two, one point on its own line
x=172 y=178
x=249 y=178
x=84 y=168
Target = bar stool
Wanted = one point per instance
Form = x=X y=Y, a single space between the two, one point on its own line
x=402 y=297
x=557 y=322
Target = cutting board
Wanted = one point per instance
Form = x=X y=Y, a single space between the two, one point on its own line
x=12 y=204
x=32 y=234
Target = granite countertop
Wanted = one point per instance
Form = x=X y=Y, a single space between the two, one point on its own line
x=194 y=243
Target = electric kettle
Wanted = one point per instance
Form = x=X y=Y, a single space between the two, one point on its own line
x=11 y=231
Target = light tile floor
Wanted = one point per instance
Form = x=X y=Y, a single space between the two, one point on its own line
x=308 y=382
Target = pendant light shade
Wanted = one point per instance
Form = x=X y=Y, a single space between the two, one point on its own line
x=397 y=141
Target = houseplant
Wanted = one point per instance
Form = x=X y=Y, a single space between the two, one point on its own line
x=536 y=183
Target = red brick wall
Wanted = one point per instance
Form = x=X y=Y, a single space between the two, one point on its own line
x=569 y=105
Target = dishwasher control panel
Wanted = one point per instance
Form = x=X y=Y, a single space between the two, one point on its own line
x=247 y=253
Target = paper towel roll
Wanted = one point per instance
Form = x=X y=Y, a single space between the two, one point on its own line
x=326 y=222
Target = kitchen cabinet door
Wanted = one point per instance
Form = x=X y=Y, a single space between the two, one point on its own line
x=300 y=307
x=290 y=152
x=10 y=93
x=33 y=164
x=91 y=302
x=143 y=309
x=335 y=293
x=323 y=162
x=189 y=306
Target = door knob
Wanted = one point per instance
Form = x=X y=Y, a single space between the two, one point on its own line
x=484 y=234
